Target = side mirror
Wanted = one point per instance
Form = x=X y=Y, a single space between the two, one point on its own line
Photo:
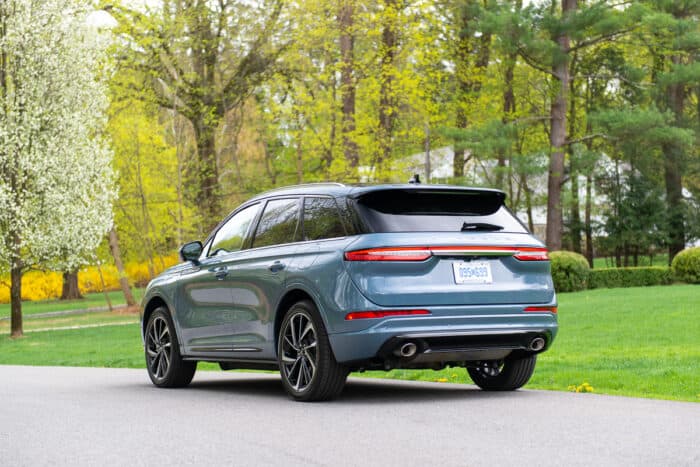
x=191 y=251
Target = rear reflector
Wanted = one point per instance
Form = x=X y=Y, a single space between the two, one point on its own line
x=383 y=314
x=541 y=309
x=421 y=253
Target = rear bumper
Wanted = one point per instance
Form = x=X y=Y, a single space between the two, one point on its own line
x=449 y=334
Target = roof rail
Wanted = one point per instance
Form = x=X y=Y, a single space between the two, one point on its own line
x=306 y=185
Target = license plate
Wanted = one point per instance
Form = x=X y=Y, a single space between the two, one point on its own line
x=473 y=272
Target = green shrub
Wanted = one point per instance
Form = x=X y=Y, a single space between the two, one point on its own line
x=569 y=271
x=686 y=265
x=608 y=278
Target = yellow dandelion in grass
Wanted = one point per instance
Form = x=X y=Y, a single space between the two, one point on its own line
x=584 y=387
x=441 y=380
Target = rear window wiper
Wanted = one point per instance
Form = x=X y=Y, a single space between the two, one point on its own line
x=480 y=226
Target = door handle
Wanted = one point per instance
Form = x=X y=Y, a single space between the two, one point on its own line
x=220 y=272
x=276 y=266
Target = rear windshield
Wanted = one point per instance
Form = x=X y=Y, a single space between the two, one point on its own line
x=436 y=211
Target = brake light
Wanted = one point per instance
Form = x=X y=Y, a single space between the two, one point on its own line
x=383 y=314
x=541 y=309
x=389 y=254
x=532 y=254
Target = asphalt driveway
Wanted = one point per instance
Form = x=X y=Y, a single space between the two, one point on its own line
x=94 y=416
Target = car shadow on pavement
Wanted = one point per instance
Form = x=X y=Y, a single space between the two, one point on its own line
x=356 y=389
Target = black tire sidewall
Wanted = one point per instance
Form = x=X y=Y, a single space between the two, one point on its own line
x=516 y=373
x=174 y=375
x=304 y=308
x=329 y=377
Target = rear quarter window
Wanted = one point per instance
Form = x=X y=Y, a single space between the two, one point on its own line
x=436 y=211
x=321 y=219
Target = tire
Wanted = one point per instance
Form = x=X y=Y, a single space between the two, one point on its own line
x=308 y=368
x=508 y=375
x=164 y=364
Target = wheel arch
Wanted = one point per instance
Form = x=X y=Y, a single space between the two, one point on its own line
x=291 y=297
x=153 y=303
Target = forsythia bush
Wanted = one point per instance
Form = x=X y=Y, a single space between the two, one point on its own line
x=38 y=285
x=686 y=265
x=570 y=271
x=629 y=277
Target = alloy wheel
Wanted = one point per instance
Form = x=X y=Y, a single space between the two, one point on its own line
x=299 y=351
x=490 y=369
x=159 y=347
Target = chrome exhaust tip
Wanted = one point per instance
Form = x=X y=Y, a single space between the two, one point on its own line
x=537 y=344
x=407 y=350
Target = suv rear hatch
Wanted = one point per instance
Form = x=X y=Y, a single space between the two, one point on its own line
x=444 y=246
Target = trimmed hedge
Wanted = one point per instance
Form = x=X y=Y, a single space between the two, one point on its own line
x=570 y=271
x=629 y=277
x=686 y=265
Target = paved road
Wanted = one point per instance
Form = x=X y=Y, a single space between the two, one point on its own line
x=86 y=416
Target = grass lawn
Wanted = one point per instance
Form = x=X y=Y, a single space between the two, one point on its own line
x=91 y=300
x=641 y=341
x=636 y=342
x=609 y=262
x=83 y=319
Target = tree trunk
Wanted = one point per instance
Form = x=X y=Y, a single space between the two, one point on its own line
x=673 y=157
x=347 y=81
x=177 y=132
x=16 y=302
x=674 y=199
x=528 y=203
x=327 y=156
x=460 y=154
x=588 y=229
x=104 y=288
x=300 y=158
x=575 y=207
x=70 y=290
x=558 y=137
x=575 y=227
x=207 y=171
x=387 y=99
x=123 y=280
x=508 y=111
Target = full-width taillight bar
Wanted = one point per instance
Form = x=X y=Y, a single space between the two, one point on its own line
x=383 y=314
x=417 y=253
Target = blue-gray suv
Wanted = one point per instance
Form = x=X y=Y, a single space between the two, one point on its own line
x=323 y=279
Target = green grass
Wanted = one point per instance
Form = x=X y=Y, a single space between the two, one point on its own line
x=91 y=300
x=609 y=262
x=641 y=341
x=83 y=319
x=636 y=342
x=109 y=346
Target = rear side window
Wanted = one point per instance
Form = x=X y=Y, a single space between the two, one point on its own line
x=278 y=223
x=321 y=219
x=436 y=211
x=231 y=235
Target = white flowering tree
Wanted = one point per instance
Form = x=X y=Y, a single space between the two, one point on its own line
x=56 y=181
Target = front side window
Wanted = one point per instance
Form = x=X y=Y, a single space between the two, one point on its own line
x=321 y=219
x=230 y=236
x=278 y=223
